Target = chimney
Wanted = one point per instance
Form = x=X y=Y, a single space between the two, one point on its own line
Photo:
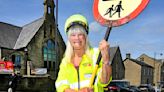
x=142 y=59
x=128 y=55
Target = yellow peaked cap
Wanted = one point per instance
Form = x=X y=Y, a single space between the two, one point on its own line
x=76 y=18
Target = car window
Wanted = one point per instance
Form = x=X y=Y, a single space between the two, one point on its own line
x=119 y=83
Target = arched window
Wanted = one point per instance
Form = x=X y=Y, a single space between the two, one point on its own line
x=49 y=54
x=16 y=60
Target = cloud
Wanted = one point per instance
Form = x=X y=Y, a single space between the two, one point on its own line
x=96 y=27
x=150 y=23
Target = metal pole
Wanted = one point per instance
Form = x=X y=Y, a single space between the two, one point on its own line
x=57 y=12
x=56 y=46
x=154 y=59
x=156 y=69
x=92 y=81
x=26 y=58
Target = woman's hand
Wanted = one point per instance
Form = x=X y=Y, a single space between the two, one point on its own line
x=69 y=90
x=86 y=89
x=104 y=48
x=106 y=68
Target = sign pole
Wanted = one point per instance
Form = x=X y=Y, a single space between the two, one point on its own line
x=99 y=58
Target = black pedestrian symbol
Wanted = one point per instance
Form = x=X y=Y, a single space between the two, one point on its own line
x=109 y=11
x=106 y=0
x=118 y=8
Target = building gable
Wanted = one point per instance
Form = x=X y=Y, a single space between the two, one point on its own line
x=118 y=69
x=27 y=33
x=155 y=63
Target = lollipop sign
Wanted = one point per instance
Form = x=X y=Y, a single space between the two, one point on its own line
x=112 y=13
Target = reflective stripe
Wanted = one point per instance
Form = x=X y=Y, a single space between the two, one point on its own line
x=95 y=56
x=82 y=84
x=98 y=76
x=63 y=82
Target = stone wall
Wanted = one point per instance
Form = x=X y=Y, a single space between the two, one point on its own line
x=132 y=72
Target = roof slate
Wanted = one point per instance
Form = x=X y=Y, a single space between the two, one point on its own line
x=140 y=63
x=27 y=33
x=15 y=37
x=8 y=35
x=112 y=52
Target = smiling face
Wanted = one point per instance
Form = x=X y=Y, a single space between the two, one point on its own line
x=77 y=41
x=77 y=37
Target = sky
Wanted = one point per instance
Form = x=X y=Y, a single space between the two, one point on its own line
x=143 y=35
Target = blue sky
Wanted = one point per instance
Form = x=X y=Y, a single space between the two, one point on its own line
x=144 y=34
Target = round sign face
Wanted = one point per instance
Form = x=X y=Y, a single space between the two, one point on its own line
x=117 y=12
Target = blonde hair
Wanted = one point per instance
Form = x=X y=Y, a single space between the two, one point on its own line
x=69 y=49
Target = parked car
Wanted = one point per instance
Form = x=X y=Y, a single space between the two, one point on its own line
x=146 y=88
x=161 y=84
x=134 y=88
x=119 y=86
x=6 y=67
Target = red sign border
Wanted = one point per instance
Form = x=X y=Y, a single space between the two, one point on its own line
x=121 y=21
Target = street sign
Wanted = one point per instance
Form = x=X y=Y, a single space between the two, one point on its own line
x=117 y=12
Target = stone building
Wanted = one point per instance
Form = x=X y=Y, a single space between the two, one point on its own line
x=39 y=42
x=158 y=67
x=138 y=72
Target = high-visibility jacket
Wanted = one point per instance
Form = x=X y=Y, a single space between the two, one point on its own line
x=70 y=77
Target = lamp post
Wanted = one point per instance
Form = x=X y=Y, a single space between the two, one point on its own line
x=25 y=60
x=162 y=75
x=162 y=71
x=156 y=69
x=155 y=54
x=57 y=52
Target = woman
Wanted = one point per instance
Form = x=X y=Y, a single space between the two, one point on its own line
x=78 y=63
